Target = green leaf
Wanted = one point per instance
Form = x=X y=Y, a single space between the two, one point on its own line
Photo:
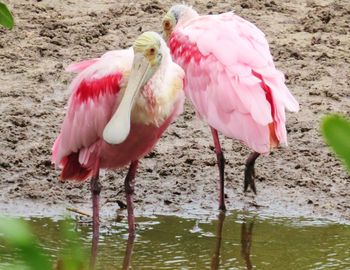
x=336 y=131
x=6 y=18
x=74 y=255
x=17 y=235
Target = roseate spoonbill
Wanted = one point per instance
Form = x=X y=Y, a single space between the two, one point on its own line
x=232 y=82
x=120 y=105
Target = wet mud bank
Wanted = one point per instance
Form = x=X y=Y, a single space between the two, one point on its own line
x=310 y=44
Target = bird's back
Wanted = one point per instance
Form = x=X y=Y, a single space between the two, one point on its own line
x=231 y=78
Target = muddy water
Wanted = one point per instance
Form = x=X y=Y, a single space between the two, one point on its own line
x=237 y=241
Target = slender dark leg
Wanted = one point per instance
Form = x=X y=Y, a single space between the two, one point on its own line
x=95 y=187
x=128 y=252
x=129 y=191
x=249 y=172
x=221 y=165
x=215 y=260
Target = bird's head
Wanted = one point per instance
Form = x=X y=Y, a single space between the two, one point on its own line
x=148 y=54
x=176 y=14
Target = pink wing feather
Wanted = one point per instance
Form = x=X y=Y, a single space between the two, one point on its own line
x=80 y=66
x=231 y=79
x=91 y=105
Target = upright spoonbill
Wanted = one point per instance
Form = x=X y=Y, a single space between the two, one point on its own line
x=232 y=82
x=120 y=105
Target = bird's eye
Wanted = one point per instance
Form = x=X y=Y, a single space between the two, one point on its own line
x=152 y=50
x=167 y=25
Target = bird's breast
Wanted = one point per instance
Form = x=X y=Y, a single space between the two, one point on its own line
x=155 y=104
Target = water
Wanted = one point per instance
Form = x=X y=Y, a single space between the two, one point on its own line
x=237 y=241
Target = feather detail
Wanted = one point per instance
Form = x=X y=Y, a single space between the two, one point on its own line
x=72 y=169
x=80 y=66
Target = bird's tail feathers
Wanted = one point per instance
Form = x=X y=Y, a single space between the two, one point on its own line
x=73 y=170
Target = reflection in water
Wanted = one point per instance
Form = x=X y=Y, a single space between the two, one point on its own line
x=127 y=257
x=94 y=249
x=167 y=242
x=128 y=252
x=215 y=261
x=246 y=242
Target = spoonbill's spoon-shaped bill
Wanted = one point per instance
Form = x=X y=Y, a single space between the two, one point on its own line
x=118 y=128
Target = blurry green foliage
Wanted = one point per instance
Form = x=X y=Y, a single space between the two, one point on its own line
x=73 y=256
x=17 y=235
x=6 y=18
x=336 y=131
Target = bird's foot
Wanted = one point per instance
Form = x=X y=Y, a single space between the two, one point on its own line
x=249 y=172
x=249 y=178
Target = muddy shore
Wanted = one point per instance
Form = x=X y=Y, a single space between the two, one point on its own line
x=310 y=42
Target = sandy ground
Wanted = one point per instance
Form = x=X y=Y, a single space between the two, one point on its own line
x=310 y=42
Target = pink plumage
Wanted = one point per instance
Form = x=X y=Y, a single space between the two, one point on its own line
x=80 y=147
x=231 y=79
x=80 y=66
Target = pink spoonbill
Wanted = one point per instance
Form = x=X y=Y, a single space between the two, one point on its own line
x=232 y=82
x=120 y=105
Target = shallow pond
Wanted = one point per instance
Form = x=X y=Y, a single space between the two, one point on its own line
x=237 y=241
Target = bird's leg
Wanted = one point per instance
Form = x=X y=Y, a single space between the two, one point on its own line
x=249 y=172
x=129 y=191
x=221 y=165
x=95 y=187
